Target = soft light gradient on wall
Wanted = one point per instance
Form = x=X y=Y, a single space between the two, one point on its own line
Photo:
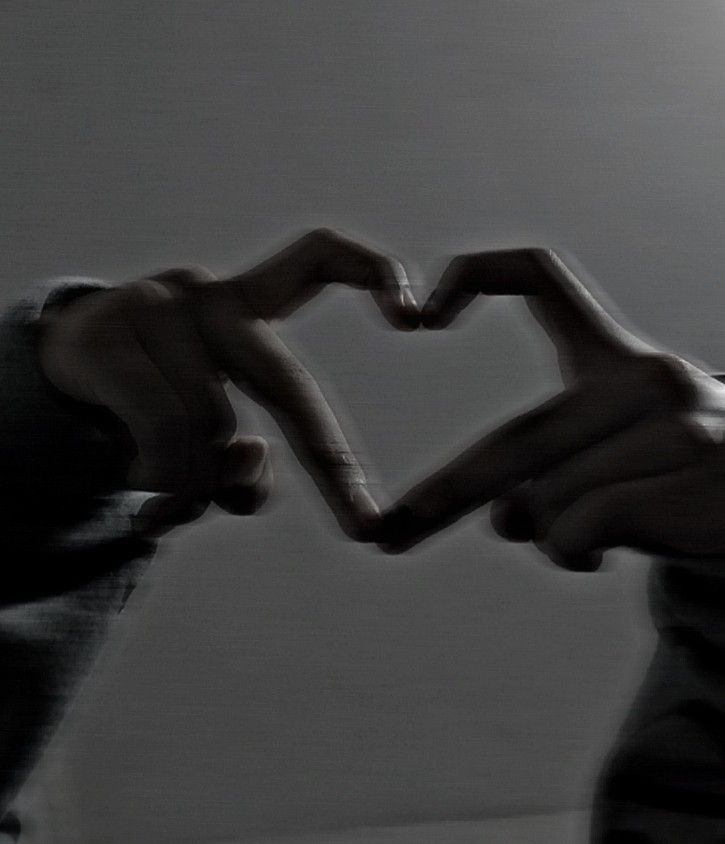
x=269 y=675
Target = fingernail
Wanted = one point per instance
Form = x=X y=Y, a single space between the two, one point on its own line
x=409 y=299
x=244 y=462
x=239 y=500
x=409 y=311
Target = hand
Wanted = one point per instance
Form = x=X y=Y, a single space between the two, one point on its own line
x=156 y=353
x=629 y=454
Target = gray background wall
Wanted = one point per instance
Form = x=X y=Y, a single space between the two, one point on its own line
x=269 y=675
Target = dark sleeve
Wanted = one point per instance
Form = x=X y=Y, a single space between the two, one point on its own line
x=65 y=517
x=69 y=554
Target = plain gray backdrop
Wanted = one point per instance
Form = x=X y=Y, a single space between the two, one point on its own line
x=269 y=675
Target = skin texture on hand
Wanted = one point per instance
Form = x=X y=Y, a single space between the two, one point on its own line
x=629 y=454
x=157 y=353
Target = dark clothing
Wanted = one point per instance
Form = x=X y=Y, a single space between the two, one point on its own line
x=71 y=558
x=665 y=778
x=68 y=546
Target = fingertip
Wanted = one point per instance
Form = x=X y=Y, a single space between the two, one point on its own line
x=247 y=477
x=398 y=529
x=584 y=561
x=366 y=516
x=406 y=319
x=245 y=461
x=433 y=322
x=512 y=520
x=241 y=501
x=405 y=313
x=432 y=316
x=409 y=322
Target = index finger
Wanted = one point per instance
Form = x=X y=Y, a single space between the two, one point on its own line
x=531 y=444
x=569 y=313
x=281 y=284
x=259 y=364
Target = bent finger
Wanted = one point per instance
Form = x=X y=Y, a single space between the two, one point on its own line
x=260 y=364
x=530 y=445
x=129 y=383
x=653 y=446
x=668 y=515
x=166 y=332
x=572 y=317
x=281 y=284
x=247 y=477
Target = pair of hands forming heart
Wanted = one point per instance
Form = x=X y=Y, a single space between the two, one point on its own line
x=629 y=453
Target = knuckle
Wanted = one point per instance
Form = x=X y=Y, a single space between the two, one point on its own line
x=146 y=294
x=189 y=275
x=323 y=234
x=670 y=374
x=395 y=266
x=661 y=366
x=539 y=259
x=334 y=253
x=316 y=250
x=541 y=254
x=382 y=271
x=382 y=265
x=460 y=263
x=330 y=241
x=321 y=240
x=338 y=460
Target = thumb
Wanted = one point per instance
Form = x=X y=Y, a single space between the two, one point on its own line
x=246 y=476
